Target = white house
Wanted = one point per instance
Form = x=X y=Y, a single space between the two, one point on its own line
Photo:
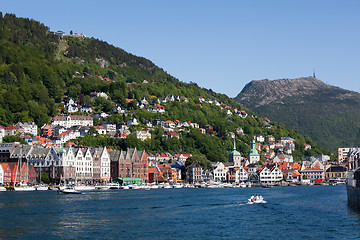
x=259 y=138
x=133 y=121
x=119 y=109
x=270 y=174
x=241 y=175
x=86 y=109
x=220 y=172
x=71 y=106
x=142 y=135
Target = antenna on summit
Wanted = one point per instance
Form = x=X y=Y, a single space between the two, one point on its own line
x=314 y=76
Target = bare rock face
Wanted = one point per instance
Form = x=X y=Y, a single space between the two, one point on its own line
x=328 y=114
x=263 y=92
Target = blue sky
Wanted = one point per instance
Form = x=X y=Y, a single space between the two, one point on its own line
x=220 y=45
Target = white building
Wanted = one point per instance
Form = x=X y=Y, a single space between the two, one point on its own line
x=105 y=165
x=241 y=175
x=270 y=175
x=71 y=106
x=72 y=120
x=220 y=172
x=142 y=135
x=27 y=127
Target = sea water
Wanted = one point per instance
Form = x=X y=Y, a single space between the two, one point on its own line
x=300 y=212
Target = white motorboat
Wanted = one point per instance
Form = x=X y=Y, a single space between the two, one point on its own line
x=24 y=188
x=69 y=190
x=102 y=187
x=42 y=188
x=114 y=186
x=125 y=187
x=242 y=185
x=2 y=189
x=178 y=186
x=256 y=200
x=84 y=187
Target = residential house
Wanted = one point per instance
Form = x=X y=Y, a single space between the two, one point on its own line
x=142 y=135
x=71 y=106
x=109 y=126
x=101 y=130
x=27 y=127
x=133 y=121
x=169 y=124
x=86 y=109
x=260 y=138
x=46 y=130
x=10 y=130
x=119 y=109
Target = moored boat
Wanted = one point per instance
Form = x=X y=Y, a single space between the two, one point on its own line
x=102 y=187
x=2 y=189
x=84 y=187
x=353 y=179
x=24 y=188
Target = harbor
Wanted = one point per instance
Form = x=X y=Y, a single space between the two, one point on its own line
x=185 y=213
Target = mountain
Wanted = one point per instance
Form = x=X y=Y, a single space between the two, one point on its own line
x=328 y=114
x=41 y=71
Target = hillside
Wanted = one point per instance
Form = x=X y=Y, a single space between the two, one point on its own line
x=41 y=72
x=328 y=114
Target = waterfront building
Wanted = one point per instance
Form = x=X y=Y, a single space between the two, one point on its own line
x=270 y=174
x=154 y=173
x=144 y=166
x=220 y=172
x=104 y=165
x=335 y=172
x=313 y=174
x=44 y=160
x=67 y=169
x=242 y=174
x=83 y=164
x=194 y=173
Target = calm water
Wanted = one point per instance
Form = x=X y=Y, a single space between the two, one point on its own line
x=313 y=212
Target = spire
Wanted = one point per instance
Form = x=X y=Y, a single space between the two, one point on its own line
x=234 y=149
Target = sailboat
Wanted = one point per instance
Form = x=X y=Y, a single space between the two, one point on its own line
x=22 y=187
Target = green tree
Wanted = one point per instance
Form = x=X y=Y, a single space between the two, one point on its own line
x=44 y=178
x=205 y=164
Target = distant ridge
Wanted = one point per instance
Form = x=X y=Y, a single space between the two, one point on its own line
x=328 y=114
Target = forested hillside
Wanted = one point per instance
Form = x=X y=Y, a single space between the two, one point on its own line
x=39 y=72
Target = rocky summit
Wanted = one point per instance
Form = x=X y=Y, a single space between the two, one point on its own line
x=328 y=114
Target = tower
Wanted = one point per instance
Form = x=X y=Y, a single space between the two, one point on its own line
x=254 y=156
x=235 y=156
x=314 y=76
